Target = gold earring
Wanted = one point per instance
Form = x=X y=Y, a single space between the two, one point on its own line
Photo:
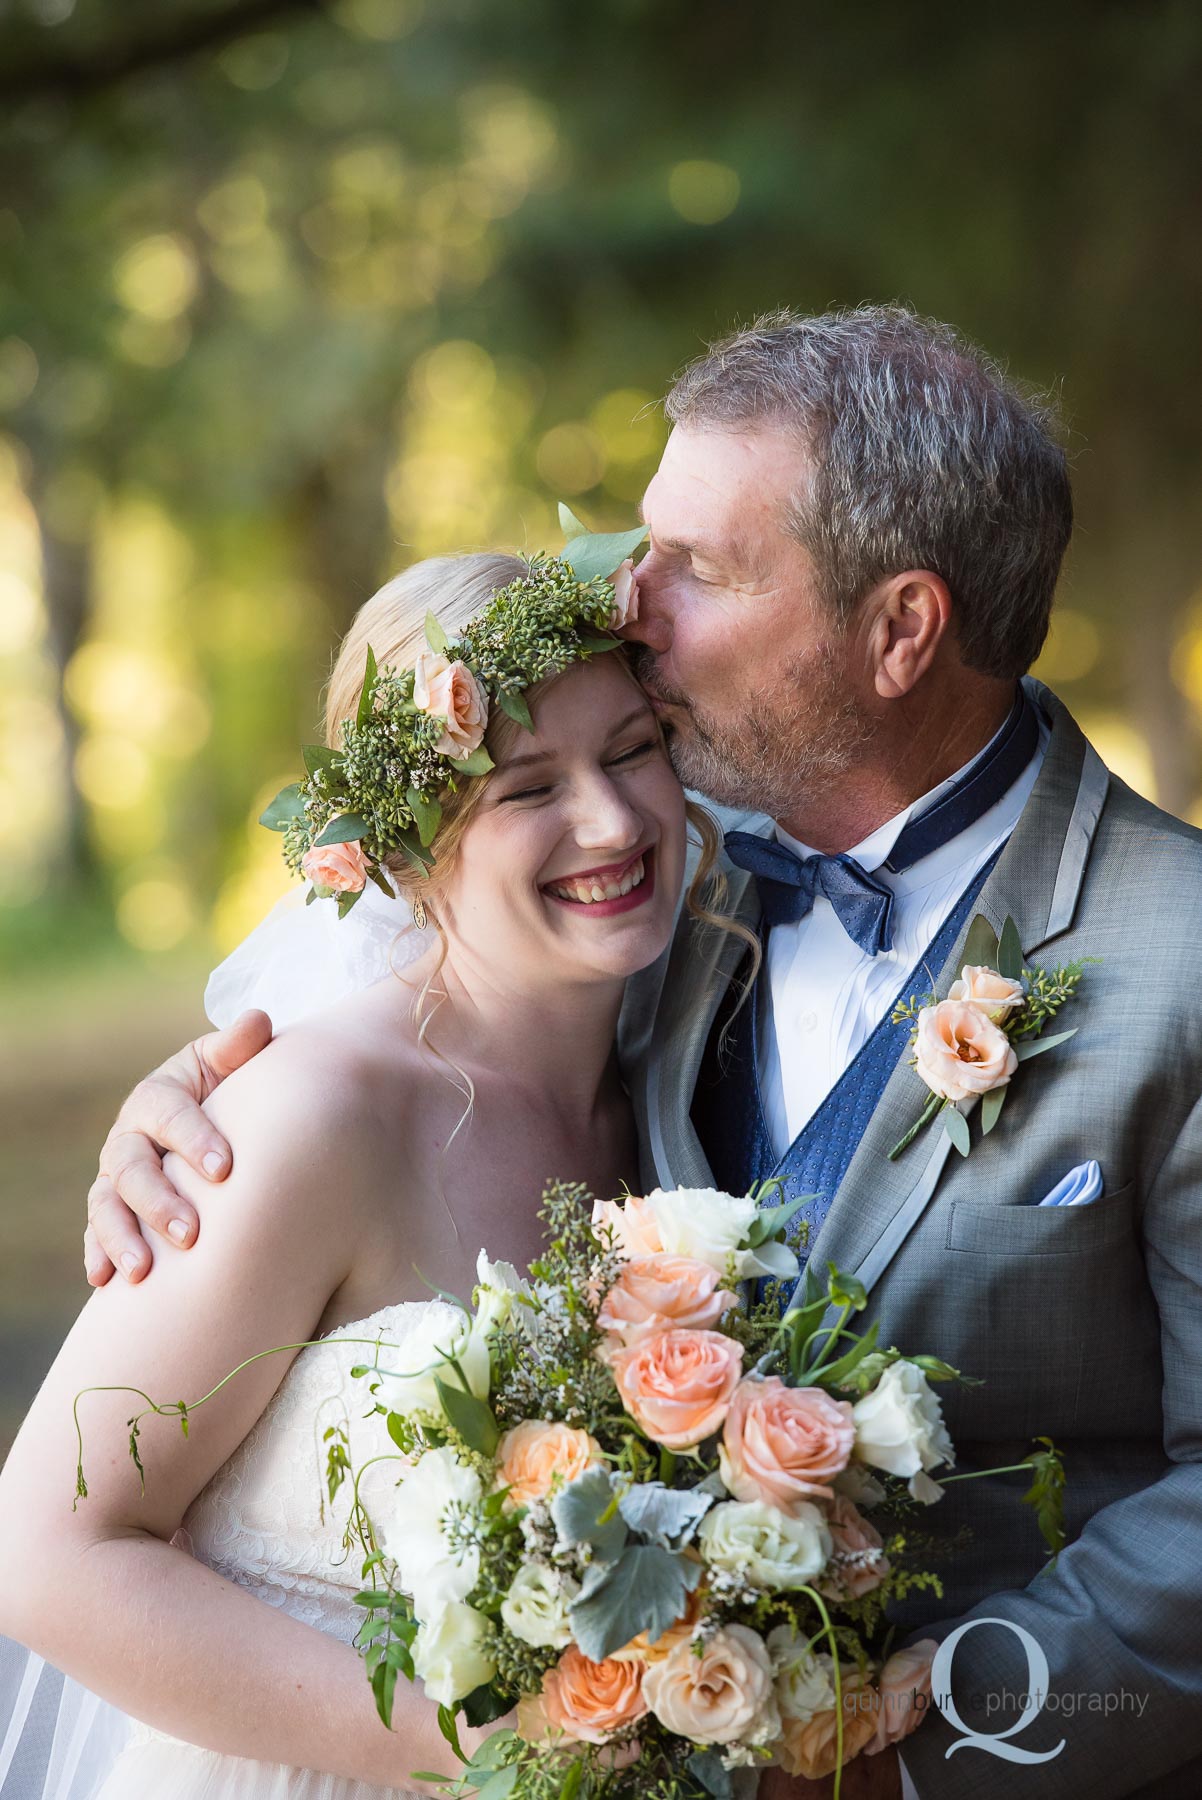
x=419 y=912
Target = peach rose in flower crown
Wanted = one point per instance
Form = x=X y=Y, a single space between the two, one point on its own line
x=534 y=1457
x=960 y=1052
x=632 y=1229
x=336 y=868
x=997 y=995
x=625 y=608
x=449 y=691
x=859 y=1563
x=678 y=1385
x=589 y=1701
x=662 y=1293
x=905 y=1694
x=784 y=1445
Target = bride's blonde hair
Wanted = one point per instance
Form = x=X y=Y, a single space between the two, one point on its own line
x=392 y=622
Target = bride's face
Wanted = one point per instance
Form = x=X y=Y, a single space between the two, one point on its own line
x=572 y=863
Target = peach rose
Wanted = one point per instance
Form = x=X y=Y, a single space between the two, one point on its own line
x=810 y=1747
x=589 y=1701
x=632 y=1228
x=995 y=994
x=960 y=1052
x=338 y=868
x=784 y=1445
x=449 y=691
x=720 y=1696
x=534 y=1457
x=643 y=1649
x=677 y=1385
x=625 y=608
x=905 y=1688
x=660 y=1293
x=858 y=1564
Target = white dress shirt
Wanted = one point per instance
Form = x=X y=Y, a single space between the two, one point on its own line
x=824 y=996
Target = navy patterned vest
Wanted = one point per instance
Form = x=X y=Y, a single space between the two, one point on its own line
x=728 y=1114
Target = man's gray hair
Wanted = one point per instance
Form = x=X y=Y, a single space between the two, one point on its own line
x=922 y=453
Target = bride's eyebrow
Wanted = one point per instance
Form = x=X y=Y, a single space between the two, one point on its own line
x=542 y=756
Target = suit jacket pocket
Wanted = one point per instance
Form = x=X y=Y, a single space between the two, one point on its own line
x=1006 y=1231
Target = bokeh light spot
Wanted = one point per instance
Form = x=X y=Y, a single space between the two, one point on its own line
x=703 y=192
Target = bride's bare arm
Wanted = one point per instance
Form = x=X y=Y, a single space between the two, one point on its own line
x=99 y=1591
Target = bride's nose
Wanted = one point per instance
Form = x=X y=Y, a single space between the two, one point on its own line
x=605 y=819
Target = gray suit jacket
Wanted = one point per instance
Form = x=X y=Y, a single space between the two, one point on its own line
x=1084 y=1322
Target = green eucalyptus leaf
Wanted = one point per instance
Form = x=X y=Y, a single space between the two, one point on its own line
x=981 y=944
x=287 y=805
x=569 y=524
x=378 y=879
x=347 y=829
x=597 y=555
x=1010 y=952
x=436 y=637
x=956 y=1126
x=311 y=896
x=595 y=643
x=500 y=1785
x=478 y=763
x=515 y=705
x=412 y=847
x=318 y=756
x=644 y=1590
x=427 y=814
x=991 y=1107
x=473 y=1419
x=346 y=902
x=367 y=692
x=1037 y=1046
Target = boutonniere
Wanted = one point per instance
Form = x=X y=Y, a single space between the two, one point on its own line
x=968 y=1046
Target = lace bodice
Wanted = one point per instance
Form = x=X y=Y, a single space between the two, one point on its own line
x=259 y=1521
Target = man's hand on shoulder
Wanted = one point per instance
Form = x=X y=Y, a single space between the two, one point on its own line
x=163 y=1113
x=864 y=1778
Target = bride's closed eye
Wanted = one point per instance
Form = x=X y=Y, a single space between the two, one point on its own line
x=623 y=757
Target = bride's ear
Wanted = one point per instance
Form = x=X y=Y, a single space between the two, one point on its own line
x=912 y=615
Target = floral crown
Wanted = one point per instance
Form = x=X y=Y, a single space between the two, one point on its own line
x=417 y=733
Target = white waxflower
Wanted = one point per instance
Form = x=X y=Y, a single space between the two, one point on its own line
x=773 y=1549
x=899 y=1428
x=536 y=1607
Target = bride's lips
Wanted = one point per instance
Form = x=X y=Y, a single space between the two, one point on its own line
x=610 y=876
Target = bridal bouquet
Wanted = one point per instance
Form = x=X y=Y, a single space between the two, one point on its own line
x=636 y=1515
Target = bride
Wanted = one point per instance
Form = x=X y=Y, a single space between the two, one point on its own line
x=396 y=1131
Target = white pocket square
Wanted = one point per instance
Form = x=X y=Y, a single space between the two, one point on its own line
x=1078 y=1188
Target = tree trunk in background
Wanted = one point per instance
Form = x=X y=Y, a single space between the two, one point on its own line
x=67 y=585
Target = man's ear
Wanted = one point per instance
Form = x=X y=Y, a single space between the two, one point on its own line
x=911 y=615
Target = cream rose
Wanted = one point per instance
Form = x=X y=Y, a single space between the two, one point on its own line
x=996 y=995
x=662 y=1293
x=410 y=1531
x=449 y=691
x=858 y=1563
x=536 y=1606
x=899 y=1428
x=336 y=868
x=710 y=1225
x=803 y=1681
x=960 y=1052
x=534 y=1458
x=625 y=608
x=905 y=1694
x=677 y=1385
x=784 y=1445
x=773 y=1549
x=723 y=1696
x=450 y=1653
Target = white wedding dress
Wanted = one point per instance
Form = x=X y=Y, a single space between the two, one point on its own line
x=258 y=1522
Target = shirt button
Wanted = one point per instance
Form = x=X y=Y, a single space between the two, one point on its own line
x=809 y=1021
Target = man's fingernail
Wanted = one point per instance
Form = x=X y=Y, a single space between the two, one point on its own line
x=177 y=1231
x=129 y=1263
x=213 y=1163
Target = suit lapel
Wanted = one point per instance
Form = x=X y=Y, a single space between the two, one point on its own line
x=1036 y=882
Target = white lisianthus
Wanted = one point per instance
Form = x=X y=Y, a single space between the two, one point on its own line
x=536 y=1607
x=710 y=1226
x=804 y=1682
x=409 y=1528
x=498 y=1286
x=450 y=1653
x=773 y=1549
x=444 y=1332
x=899 y=1428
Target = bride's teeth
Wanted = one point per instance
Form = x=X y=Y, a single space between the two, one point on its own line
x=585 y=893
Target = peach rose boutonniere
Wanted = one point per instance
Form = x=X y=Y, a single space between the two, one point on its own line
x=968 y=1046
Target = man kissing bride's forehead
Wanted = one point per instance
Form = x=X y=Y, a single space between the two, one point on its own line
x=855 y=535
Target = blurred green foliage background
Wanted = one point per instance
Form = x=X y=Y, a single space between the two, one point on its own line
x=293 y=291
